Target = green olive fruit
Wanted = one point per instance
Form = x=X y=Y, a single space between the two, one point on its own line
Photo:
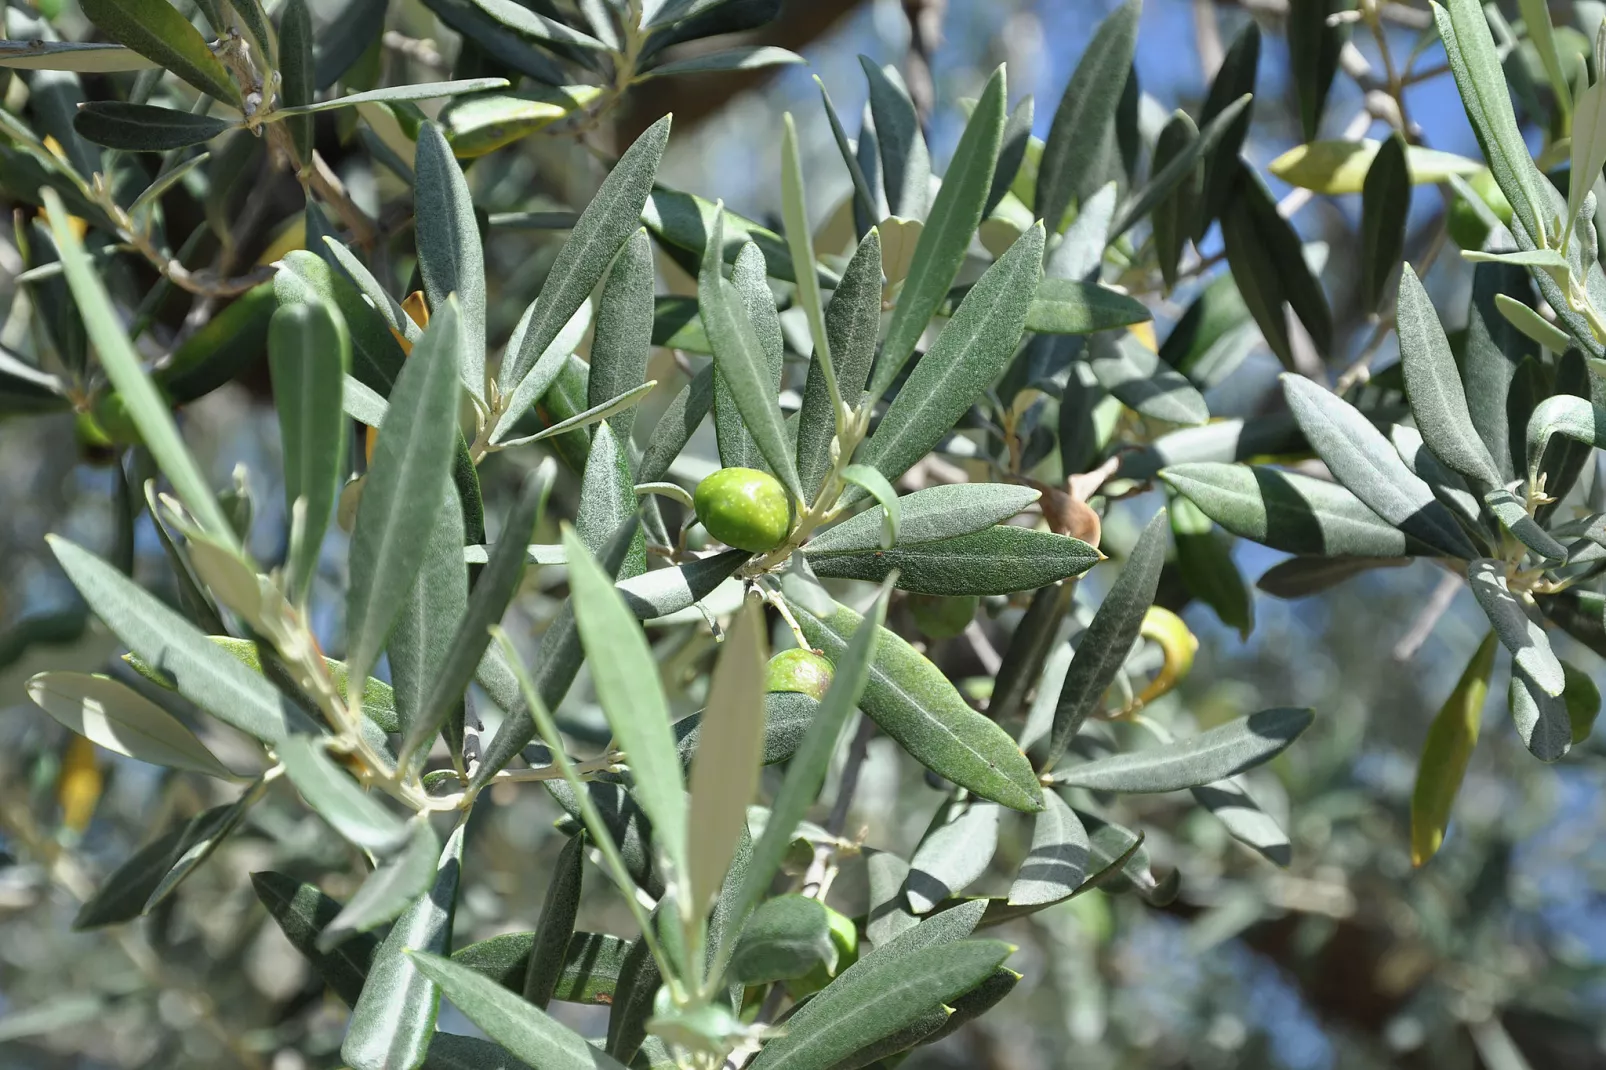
x=941 y=617
x=1466 y=227
x=111 y=418
x=799 y=670
x=744 y=508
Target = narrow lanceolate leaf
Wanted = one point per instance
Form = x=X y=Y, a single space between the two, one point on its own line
x=799 y=239
x=625 y=676
x=524 y=1030
x=1314 y=44
x=1072 y=165
x=156 y=30
x=492 y=592
x=1182 y=176
x=1268 y=263
x=1144 y=383
x=1230 y=802
x=738 y=448
x=302 y=912
x=860 y=1008
x=329 y=790
x=406 y=481
x=972 y=351
x=905 y=160
x=676 y=426
x=389 y=889
x=949 y=227
x=1589 y=142
x=298 y=72
x=1385 y=206
x=999 y=560
x=953 y=854
x=1234 y=79
x=197 y=668
x=747 y=58
x=724 y=774
x=1341 y=166
x=941 y=512
x=1363 y=460
x=145 y=406
x=1071 y=306
x=623 y=337
x=806 y=773
x=1532 y=324
x=545 y=963
x=1108 y=639
x=1433 y=384
x=1171 y=218
x=741 y=363
x=610 y=218
x=608 y=499
x=917 y=706
x=1058 y=862
x=309 y=353
x=1519 y=633
x=1565 y=415
x=450 y=258
x=1285 y=510
x=436 y=602
x=393 y=1020
x=392 y=94
x=1469 y=46
x=152 y=872
x=82 y=58
x=1445 y=753
x=1216 y=754
x=1011 y=152
x=144 y=127
x=853 y=325
x=122 y=720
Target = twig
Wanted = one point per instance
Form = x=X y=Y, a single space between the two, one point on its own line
x=1428 y=617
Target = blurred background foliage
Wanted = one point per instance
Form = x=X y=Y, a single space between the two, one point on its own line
x=1492 y=955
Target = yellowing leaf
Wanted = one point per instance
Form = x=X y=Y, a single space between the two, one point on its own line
x=1340 y=166
x=1165 y=628
x=78 y=788
x=1451 y=737
x=478 y=125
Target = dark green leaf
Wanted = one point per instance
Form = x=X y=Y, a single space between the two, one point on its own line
x=450 y=258
x=1070 y=306
x=998 y=560
x=1364 y=461
x=388 y=890
x=302 y=913
x=1433 y=384
x=1011 y=151
x=941 y=512
x=623 y=337
x=953 y=854
x=905 y=162
x=1286 y=511
x=304 y=277
x=145 y=128
x=853 y=325
x=1180 y=179
x=1541 y=718
x=297 y=72
x=156 y=30
x=554 y=933
x=1070 y=170
x=911 y=700
x=1204 y=558
x=1385 y=206
x=972 y=351
x=676 y=426
x=1172 y=217
x=524 y=1030
x=1105 y=644
x=309 y=352
x=1268 y=264
x=406 y=480
x=1234 y=80
x=955 y=214
x=604 y=226
x=1216 y=754
x=1143 y=382
x=1314 y=45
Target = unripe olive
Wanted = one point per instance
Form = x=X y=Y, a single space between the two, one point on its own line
x=744 y=508
x=940 y=616
x=1465 y=226
x=799 y=670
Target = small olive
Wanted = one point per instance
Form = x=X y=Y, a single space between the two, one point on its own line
x=744 y=508
x=942 y=617
x=799 y=670
x=1465 y=226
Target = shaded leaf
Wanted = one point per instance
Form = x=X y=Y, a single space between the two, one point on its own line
x=1212 y=755
x=145 y=128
